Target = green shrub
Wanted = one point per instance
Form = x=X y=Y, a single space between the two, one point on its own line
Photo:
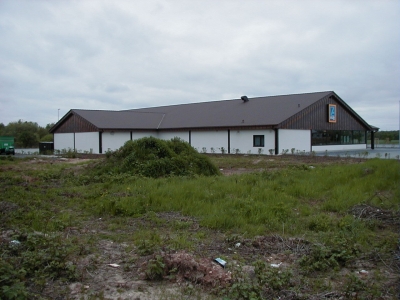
x=353 y=285
x=31 y=262
x=265 y=282
x=12 y=286
x=147 y=241
x=330 y=256
x=155 y=268
x=151 y=157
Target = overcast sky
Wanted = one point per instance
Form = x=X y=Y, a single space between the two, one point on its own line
x=115 y=55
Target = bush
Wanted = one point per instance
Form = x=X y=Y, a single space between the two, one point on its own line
x=328 y=257
x=151 y=157
x=267 y=281
x=29 y=263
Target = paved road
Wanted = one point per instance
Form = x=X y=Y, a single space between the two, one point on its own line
x=381 y=152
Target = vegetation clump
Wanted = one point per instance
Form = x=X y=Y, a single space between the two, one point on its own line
x=32 y=260
x=152 y=157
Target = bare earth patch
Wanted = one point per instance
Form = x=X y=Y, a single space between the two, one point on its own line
x=115 y=269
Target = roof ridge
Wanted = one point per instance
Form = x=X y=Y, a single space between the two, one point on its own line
x=116 y=111
x=215 y=101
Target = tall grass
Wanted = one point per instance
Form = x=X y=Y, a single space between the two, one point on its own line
x=290 y=201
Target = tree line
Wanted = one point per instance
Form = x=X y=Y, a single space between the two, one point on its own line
x=390 y=135
x=27 y=134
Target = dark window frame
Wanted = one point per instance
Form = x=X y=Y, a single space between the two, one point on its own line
x=258 y=141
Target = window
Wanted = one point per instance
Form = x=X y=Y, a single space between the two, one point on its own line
x=359 y=137
x=258 y=141
x=337 y=137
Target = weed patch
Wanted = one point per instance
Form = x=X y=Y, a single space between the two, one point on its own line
x=30 y=260
x=329 y=256
x=261 y=282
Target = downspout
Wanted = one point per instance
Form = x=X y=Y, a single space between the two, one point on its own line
x=229 y=141
x=74 y=132
x=276 y=141
x=100 y=143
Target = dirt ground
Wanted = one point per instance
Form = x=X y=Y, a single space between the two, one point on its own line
x=116 y=270
x=272 y=163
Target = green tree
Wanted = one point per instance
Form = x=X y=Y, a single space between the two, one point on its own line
x=47 y=138
x=28 y=139
x=26 y=134
x=386 y=135
x=48 y=126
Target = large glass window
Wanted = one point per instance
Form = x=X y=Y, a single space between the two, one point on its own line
x=337 y=137
x=359 y=137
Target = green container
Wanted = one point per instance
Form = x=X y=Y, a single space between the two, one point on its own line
x=7 y=145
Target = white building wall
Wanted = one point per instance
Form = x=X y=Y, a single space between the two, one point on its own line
x=210 y=139
x=339 y=147
x=300 y=140
x=87 y=141
x=63 y=141
x=114 y=140
x=183 y=135
x=243 y=140
x=139 y=135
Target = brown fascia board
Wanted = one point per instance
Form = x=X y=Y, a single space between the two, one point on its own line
x=357 y=116
x=65 y=117
x=59 y=122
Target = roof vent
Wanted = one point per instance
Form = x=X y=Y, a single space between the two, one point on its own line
x=244 y=98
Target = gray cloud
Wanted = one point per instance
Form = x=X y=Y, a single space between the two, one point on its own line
x=127 y=54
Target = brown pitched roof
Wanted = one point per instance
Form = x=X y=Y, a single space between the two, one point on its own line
x=228 y=113
x=105 y=119
x=259 y=111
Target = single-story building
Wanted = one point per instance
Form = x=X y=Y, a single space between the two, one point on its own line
x=269 y=125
